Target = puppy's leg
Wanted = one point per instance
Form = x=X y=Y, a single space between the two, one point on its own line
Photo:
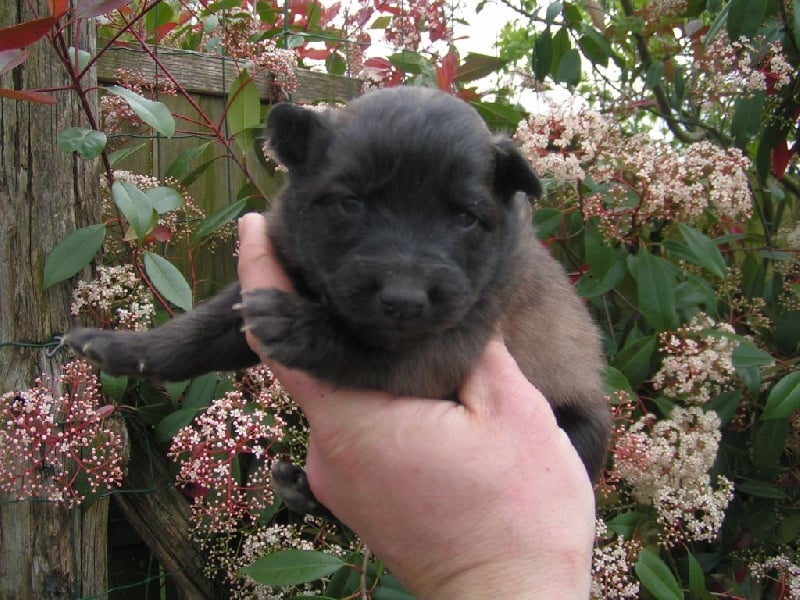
x=588 y=425
x=208 y=338
x=302 y=335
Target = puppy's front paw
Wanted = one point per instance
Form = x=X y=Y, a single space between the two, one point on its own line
x=109 y=351
x=290 y=483
x=276 y=319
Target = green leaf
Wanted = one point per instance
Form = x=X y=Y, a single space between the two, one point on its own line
x=79 y=58
x=201 y=391
x=746 y=356
x=569 y=68
x=168 y=280
x=745 y=17
x=123 y=153
x=73 y=253
x=769 y=443
x=553 y=10
x=697 y=579
x=656 y=576
x=635 y=360
x=789 y=529
x=164 y=199
x=746 y=121
x=155 y=114
x=182 y=164
x=135 y=206
x=381 y=22
x=114 y=387
x=476 y=66
x=796 y=22
x=174 y=422
x=614 y=380
x=412 y=62
x=244 y=108
x=218 y=219
x=542 y=59
x=760 y=489
x=704 y=251
x=546 y=221
x=625 y=524
x=725 y=405
x=656 y=291
x=292 y=567
x=717 y=25
x=86 y=142
x=654 y=75
x=498 y=116
x=784 y=398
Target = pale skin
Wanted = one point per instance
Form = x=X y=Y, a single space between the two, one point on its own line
x=482 y=499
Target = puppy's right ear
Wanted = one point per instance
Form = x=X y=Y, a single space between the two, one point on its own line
x=294 y=132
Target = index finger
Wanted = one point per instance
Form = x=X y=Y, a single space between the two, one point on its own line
x=258 y=266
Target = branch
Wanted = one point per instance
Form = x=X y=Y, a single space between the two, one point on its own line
x=674 y=124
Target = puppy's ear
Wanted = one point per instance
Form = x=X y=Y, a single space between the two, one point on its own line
x=512 y=173
x=294 y=132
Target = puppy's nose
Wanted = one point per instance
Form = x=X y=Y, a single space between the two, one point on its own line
x=402 y=301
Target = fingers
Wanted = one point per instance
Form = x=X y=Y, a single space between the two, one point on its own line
x=258 y=265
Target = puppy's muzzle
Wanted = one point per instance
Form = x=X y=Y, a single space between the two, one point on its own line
x=403 y=299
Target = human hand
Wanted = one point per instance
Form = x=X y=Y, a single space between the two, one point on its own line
x=486 y=498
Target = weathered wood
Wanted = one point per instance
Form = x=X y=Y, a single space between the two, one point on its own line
x=159 y=513
x=211 y=75
x=45 y=550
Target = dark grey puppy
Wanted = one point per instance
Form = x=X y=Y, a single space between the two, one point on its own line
x=403 y=232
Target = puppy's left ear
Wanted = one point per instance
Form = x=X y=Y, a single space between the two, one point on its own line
x=512 y=173
x=296 y=134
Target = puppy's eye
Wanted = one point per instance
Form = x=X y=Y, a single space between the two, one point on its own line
x=466 y=220
x=350 y=205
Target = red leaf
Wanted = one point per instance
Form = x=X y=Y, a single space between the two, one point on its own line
x=161 y=233
x=447 y=72
x=95 y=8
x=24 y=34
x=781 y=155
x=11 y=58
x=164 y=30
x=377 y=63
x=57 y=7
x=28 y=96
x=313 y=54
x=104 y=411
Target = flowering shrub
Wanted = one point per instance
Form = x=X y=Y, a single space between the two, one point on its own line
x=56 y=442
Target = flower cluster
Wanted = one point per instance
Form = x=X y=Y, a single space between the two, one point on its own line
x=234 y=37
x=636 y=181
x=210 y=453
x=417 y=16
x=788 y=574
x=725 y=70
x=698 y=361
x=612 y=566
x=116 y=299
x=666 y=463
x=56 y=442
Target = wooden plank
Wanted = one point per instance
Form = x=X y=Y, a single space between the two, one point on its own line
x=211 y=75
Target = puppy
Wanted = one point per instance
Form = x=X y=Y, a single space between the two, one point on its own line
x=408 y=243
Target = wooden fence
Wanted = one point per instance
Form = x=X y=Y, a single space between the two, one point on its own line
x=208 y=79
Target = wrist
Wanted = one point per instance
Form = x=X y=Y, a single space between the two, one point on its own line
x=569 y=578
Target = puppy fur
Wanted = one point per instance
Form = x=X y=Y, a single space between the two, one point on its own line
x=404 y=232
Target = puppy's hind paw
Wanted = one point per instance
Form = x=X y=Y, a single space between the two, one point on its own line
x=290 y=483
